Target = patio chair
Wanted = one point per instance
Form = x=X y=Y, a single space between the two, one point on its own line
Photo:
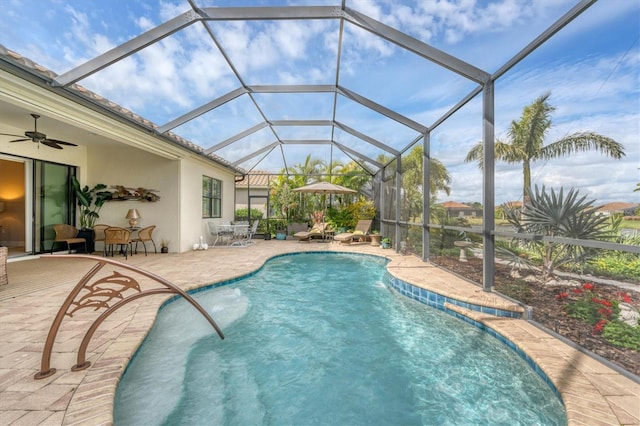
x=115 y=236
x=220 y=231
x=243 y=234
x=317 y=231
x=145 y=235
x=69 y=235
x=252 y=232
x=359 y=234
x=98 y=231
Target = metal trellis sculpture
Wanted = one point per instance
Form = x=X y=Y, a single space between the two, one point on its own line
x=100 y=295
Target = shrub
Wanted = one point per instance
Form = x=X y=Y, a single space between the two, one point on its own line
x=243 y=214
x=603 y=314
x=621 y=334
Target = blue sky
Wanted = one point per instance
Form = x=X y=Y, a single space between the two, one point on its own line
x=591 y=69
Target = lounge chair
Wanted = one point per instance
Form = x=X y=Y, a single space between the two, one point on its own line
x=316 y=232
x=359 y=234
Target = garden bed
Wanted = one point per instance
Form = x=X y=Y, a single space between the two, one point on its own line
x=551 y=311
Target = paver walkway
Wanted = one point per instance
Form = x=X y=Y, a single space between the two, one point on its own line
x=593 y=393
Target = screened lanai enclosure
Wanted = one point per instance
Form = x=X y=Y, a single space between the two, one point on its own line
x=465 y=124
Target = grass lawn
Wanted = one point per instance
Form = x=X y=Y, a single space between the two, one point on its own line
x=633 y=224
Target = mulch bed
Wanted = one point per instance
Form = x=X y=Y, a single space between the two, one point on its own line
x=550 y=312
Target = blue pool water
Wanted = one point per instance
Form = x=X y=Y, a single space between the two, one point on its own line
x=318 y=339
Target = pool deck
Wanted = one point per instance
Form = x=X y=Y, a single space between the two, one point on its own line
x=593 y=393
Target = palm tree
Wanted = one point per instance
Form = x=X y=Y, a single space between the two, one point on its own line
x=308 y=171
x=412 y=166
x=525 y=143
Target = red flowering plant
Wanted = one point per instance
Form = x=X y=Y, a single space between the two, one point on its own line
x=585 y=304
x=588 y=306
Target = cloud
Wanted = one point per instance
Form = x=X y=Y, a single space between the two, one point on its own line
x=594 y=82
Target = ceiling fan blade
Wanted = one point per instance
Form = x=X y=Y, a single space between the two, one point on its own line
x=10 y=134
x=51 y=143
x=61 y=142
x=20 y=140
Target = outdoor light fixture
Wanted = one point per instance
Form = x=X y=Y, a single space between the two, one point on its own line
x=133 y=215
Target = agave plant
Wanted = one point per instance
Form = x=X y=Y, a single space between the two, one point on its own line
x=552 y=214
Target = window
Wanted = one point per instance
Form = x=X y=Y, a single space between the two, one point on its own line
x=211 y=197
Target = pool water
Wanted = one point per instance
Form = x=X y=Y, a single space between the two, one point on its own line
x=317 y=339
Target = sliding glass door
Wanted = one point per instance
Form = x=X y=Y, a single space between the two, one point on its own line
x=34 y=195
x=53 y=201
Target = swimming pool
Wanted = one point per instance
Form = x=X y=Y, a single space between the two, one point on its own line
x=318 y=338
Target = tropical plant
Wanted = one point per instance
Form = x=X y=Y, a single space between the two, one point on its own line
x=89 y=211
x=412 y=177
x=341 y=218
x=283 y=200
x=525 y=142
x=352 y=176
x=554 y=215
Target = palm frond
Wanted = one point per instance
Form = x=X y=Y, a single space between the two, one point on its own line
x=475 y=154
x=583 y=142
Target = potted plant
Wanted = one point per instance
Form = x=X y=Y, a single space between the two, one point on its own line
x=89 y=210
x=280 y=226
x=385 y=242
x=90 y=202
x=164 y=246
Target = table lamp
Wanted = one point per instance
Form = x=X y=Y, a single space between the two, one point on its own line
x=133 y=217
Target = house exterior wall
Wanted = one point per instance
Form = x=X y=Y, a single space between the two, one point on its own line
x=191 y=222
x=178 y=213
x=242 y=198
x=115 y=153
x=454 y=212
x=134 y=168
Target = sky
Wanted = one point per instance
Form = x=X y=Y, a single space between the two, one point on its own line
x=591 y=68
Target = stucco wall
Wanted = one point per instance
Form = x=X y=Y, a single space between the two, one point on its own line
x=192 y=223
x=133 y=168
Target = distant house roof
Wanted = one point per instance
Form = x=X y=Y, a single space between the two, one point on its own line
x=511 y=204
x=454 y=205
x=257 y=178
x=617 y=206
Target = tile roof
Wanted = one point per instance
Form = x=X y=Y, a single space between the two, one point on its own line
x=32 y=67
x=454 y=205
x=256 y=178
x=615 y=206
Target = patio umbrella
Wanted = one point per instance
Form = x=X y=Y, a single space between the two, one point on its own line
x=324 y=188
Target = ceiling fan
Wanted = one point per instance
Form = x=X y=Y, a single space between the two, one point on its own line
x=39 y=138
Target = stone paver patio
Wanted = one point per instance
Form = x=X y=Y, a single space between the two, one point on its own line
x=593 y=393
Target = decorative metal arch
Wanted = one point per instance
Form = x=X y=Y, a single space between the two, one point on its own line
x=99 y=295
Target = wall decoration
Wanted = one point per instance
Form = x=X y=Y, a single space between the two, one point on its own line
x=123 y=193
